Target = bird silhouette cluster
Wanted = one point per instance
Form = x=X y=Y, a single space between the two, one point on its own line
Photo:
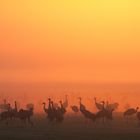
x=55 y=112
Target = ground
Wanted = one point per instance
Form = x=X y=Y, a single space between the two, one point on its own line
x=73 y=128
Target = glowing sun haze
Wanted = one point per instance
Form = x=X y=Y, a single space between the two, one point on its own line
x=70 y=41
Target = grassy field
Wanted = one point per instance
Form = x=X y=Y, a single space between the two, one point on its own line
x=73 y=128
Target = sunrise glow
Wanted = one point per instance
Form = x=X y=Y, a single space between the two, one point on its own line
x=60 y=42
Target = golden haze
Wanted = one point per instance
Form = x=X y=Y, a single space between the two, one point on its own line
x=77 y=41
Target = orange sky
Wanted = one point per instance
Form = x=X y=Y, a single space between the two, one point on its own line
x=86 y=40
x=70 y=41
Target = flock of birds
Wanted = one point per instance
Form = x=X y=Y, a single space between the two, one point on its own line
x=56 y=112
x=9 y=113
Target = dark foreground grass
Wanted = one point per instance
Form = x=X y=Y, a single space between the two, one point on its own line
x=73 y=128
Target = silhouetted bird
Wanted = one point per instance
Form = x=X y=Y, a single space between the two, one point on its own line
x=82 y=107
x=9 y=114
x=63 y=109
x=59 y=115
x=14 y=111
x=60 y=111
x=87 y=114
x=75 y=109
x=112 y=106
x=25 y=115
x=138 y=116
x=6 y=115
x=4 y=106
x=104 y=114
x=66 y=103
x=130 y=112
x=44 y=108
x=50 y=111
x=99 y=106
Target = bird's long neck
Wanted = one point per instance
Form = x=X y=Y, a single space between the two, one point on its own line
x=16 y=106
x=136 y=110
x=80 y=102
x=52 y=105
x=61 y=105
x=49 y=106
x=44 y=106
